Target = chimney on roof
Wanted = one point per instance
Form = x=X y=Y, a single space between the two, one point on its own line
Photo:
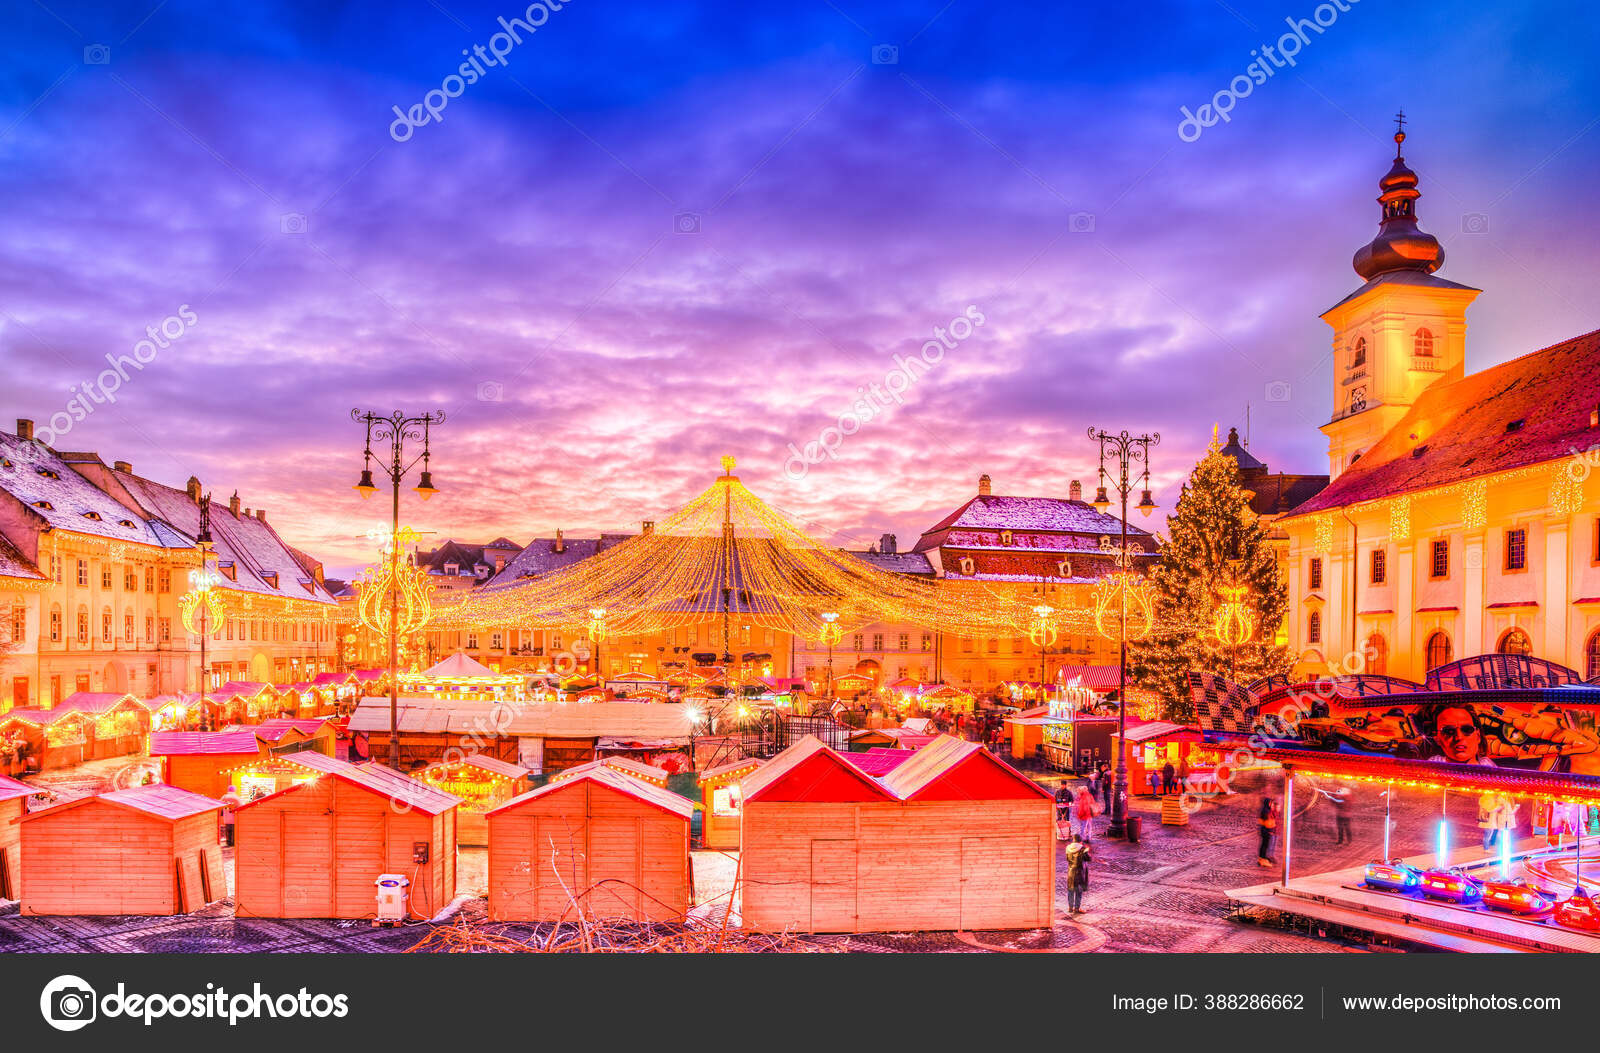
x=247 y=513
x=261 y=514
x=233 y=504
x=24 y=429
x=1594 y=417
x=122 y=466
x=648 y=526
x=1075 y=491
x=499 y=564
x=561 y=542
x=192 y=488
x=888 y=544
x=983 y=486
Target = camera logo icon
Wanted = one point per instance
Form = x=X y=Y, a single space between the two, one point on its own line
x=292 y=223
x=686 y=223
x=1277 y=391
x=1474 y=223
x=96 y=55
x=885 y=54
x=491 y=391
x=68 y=1003
x=1081 y=222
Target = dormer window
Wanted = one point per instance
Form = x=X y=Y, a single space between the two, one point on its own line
x=228 y=570
x=48 y=473
x=271 y=578
x=1005 y=537
x=1515 y=425
x=92 y=515
x=46 y=505
x=1358 y=353
x=1422 y=345
x=452 y=568
x=127 y=523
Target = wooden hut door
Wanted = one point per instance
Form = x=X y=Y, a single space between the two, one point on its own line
x=360 y=854
x=308 y=849
x=999 y=882
x=614 y=860
x=833 y=885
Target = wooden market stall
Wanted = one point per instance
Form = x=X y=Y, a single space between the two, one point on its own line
x=202 y=761
x=13 y=806
x=721 y=802
x=315 y=849
x=284 y=734
x=146 y=850
x=614 y=846
x=482 y=783
x=113 y=725
x=626 y=765
x=247 y=702
x=44 y=739
x=1152 y=744
x=952 y=837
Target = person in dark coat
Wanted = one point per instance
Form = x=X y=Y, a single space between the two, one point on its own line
x=1169 y=778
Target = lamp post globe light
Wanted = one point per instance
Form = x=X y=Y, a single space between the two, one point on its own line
x=1127 y=451
x=397 y=428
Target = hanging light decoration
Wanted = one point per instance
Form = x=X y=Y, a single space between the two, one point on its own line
x=1234 y=623
x=408 y=584
x=1043 y=632
x=1123 y=594
x=200 y=609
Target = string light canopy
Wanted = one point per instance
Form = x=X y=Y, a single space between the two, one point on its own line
x=729 y=555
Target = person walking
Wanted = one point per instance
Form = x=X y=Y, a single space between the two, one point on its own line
x=1341 y=816
x=1169 y=778
x=1267 y=821
x=1183 y=774
x=1084 y=809
x=1078 y=857
x=230 y=801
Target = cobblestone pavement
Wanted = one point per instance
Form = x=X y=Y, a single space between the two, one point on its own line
x=1165 y=894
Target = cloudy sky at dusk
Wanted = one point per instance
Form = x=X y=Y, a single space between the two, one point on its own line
x=530 y=262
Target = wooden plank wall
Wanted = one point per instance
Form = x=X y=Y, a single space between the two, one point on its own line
x=11 y=847
x=905 y=867
x=589 y=835
x=99 y=859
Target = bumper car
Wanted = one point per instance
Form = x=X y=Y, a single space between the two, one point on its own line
x=1393 y=876
x=1517 y=897
x=1453 y=884
x=1578 y=912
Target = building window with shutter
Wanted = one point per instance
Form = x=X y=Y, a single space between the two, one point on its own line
x=1314 y=574
x=166 y=630
x=1380 y=566
x=1314 y=627
x=105 y=575
x=83 y=573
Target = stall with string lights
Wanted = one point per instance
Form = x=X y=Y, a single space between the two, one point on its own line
x=482 y=783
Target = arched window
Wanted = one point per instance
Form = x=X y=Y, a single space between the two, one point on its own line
x=1422 y=345
x=1377 y=654
x=1515 y=641
x=1358 y=353
x=1314 y=627
x=1591 y=655
x=1439 y=650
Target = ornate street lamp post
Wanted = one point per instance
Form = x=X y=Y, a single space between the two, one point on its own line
x=1127 y=450
x=397 y=428
x=831 y=634
x=200 y=609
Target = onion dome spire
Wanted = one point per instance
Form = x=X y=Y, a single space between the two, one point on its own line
x=1400 y=245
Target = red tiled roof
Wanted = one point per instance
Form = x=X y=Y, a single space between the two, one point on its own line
x=1461 y=426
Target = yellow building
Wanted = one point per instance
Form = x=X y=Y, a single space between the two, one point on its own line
x=1460 y=518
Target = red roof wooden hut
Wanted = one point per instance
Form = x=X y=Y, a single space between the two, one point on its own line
x=200 y=761
x=721 y=802
x=13 y=805
x=951 y=837
x=612 y=845
x=314 y=850
x=144 y=850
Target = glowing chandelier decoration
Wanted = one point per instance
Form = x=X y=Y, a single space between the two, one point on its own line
x=392 y=576
x=200 y=609
x=1123 y=601
x=1043 y=632
x=1235 y=622
x=728 y=554
x=596 y=628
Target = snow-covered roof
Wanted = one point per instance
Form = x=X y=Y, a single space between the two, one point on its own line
x=1023 y=515
x=541 y=558
x=897 y=562
x=13 y=564
x=43 y=480
x=258 y=555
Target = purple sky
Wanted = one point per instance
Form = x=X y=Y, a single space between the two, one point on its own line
x=525 y=246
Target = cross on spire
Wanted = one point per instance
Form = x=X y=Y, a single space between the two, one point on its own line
x=1399 y=131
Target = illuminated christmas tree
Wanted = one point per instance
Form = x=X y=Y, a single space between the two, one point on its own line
x=1215 y=545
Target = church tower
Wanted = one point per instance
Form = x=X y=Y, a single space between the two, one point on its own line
x=1401 y=331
